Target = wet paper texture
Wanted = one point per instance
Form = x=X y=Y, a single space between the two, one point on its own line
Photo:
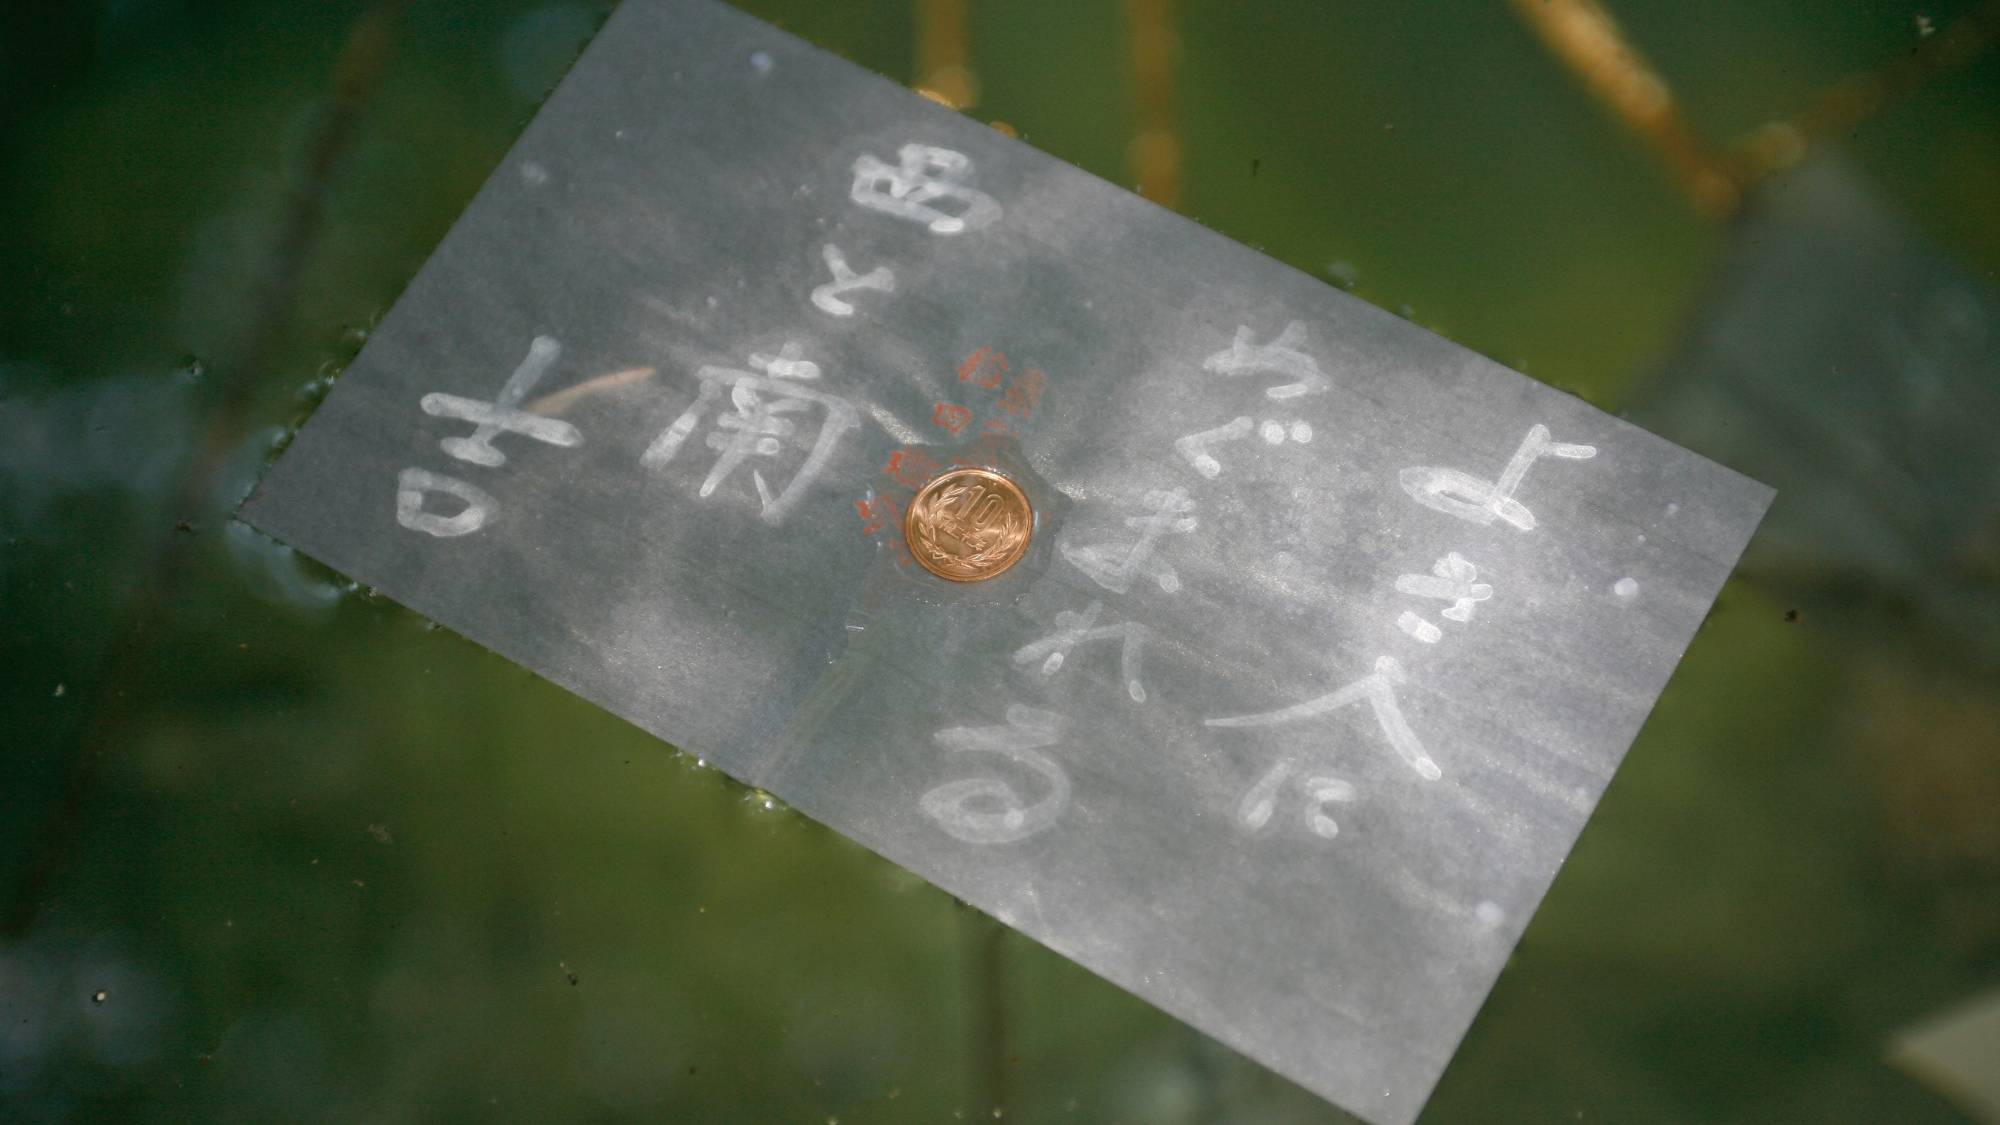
x=1328 y=637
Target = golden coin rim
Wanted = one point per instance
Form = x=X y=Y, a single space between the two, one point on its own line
x=946 y=478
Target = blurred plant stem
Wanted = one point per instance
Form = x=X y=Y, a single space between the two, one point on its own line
x=944 y=65
x=1155 y=151
x=1783 y=143
x=1584 y=37
x=984 y=942
x=224 y=404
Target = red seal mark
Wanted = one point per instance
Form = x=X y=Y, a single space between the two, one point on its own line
x=910 y=468
x=1024 y=393
x=953 y=419
x=877 y=512
x=984 y=368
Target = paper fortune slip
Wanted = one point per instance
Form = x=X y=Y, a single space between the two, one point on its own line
x=1328 y=636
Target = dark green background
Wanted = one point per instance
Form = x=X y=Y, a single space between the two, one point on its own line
x=326 y=862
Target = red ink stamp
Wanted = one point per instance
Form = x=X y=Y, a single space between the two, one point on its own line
x=952 y=418
x=1024 y=393
x=877 y=512
x=910 y=468
x=983 y=368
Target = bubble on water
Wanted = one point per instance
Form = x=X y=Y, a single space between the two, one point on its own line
x=1625 y=588
x=760 y=61
x=533 y=173
x=1272 y=432
x=127 y=1005
x=1343 y=273
x=1489 y=914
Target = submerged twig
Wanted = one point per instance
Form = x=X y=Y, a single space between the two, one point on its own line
x=944 y=66
x=1582 y=34
x=986 y=1011
x=1781 y=144
x=552 y=405
x=1155 y=151
x=235 y=381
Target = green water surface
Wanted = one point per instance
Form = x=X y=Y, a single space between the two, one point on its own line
x=274 y=849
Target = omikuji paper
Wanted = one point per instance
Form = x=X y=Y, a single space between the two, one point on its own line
x=1329 y=636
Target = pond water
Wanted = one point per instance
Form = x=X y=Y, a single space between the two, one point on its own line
x=274 y=848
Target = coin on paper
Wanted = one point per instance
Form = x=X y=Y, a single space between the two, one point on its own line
x=969 y=525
